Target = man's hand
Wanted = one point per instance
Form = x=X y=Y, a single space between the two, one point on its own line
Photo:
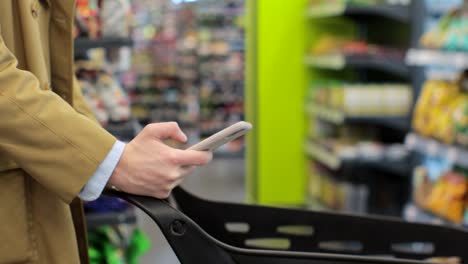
x=151 y=168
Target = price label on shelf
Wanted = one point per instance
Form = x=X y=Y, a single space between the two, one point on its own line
x=432 y=148
x=452 y=154
x=411 y=141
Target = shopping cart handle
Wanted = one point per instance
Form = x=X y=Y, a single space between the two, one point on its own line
x=188 y=241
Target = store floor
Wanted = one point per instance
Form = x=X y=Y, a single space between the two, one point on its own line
x=222 y=180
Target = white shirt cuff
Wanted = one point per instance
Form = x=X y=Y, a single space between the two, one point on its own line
x=93 y=189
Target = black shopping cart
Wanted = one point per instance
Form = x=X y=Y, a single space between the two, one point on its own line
x=206 y=232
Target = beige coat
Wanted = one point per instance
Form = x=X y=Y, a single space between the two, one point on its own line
x=49 y=145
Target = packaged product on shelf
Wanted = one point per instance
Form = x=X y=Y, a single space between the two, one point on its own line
x=317 y=94
x=443 y=122
x=141 y=113
x=442 y=111
x=441 y=188
x=450 y=33
x=115 y=18
x=102 y=18
x=333 y=45
x=329 y=44
x=336 y=98
x=314 y=180
x=460 y=112
x=460 y=120
x=422 y=185
x=87 y=13
x=113 y=97
x=104 y=89
x=437 y=7
x=336 y=194
x=432 y=111
x=447 y=197
x=364 y=99
x=94 y=101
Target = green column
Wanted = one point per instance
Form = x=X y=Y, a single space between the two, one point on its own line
x=276 y=82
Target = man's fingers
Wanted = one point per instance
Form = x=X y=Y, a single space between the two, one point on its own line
x=192 y=157
x=167 y=130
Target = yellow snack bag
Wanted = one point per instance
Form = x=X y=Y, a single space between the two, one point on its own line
x=431 y=108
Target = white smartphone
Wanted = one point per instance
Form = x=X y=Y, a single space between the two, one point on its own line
x=222 y=137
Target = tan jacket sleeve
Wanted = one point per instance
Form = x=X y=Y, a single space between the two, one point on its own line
x=60 y=148
x=79 y=102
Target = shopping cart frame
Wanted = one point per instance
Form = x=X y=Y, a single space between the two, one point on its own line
x=197 y=233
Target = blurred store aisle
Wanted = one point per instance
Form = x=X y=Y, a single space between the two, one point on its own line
x=222 y=180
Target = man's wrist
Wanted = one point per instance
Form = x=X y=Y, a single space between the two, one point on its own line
x=93 y=189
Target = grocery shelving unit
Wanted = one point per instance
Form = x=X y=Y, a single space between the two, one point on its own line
x=221 y=85
x=84 y=44
x=440 y=62
x=392 y=67
x=339 y=117
x=341 y=61
x=333 y=161
x=323 y=155
x=425 y=146
x=415 y=213
x=432 y=147
x=274 y=74
x=397 y=12
x=424 y=57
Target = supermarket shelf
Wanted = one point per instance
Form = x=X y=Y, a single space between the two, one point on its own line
x=322 y=155
x=331 y=115
x=157 y=105
x=314 y=203
x=213 y=56
x=436 y=216
x=401 y=168
x=339 y=117
x=341 y=61
x=416 y=213
x=84 y=44
x=396 y=12
x=94 y=220
x=426 y=57
x=215 y=11
x=428 y=146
